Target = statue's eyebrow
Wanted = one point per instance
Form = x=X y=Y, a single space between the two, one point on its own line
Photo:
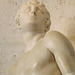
x=39 y=8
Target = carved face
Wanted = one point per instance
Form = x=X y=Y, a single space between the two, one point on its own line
x=32 y=17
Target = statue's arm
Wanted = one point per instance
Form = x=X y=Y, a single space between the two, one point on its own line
x=63 y=51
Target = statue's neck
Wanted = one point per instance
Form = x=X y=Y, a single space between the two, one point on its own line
x=31 y=38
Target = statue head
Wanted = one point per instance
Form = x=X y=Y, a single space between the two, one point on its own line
x=33 y=16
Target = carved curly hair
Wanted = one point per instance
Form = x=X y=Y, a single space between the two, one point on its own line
x=42 y=8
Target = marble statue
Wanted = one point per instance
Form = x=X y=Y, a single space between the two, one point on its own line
x=47 y=52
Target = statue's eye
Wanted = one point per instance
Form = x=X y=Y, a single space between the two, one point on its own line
x=38 y=10
x=28 y=9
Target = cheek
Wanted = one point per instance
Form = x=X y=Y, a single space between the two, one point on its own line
x=42 y=25
x=42 y=21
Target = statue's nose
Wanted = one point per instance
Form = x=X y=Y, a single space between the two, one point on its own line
x=33 y=12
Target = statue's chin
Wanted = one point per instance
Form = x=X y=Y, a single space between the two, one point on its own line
x=32 y=27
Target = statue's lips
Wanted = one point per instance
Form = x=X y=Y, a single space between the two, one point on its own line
x=32 y=21
x=32 y=26
x=33 y=17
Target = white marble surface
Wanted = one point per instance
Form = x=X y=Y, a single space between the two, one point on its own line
x=11 y=43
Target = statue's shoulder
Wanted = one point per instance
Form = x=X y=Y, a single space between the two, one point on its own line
x=55 y=35
x=55 y=39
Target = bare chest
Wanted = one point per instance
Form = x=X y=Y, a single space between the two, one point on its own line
x=38 y=62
